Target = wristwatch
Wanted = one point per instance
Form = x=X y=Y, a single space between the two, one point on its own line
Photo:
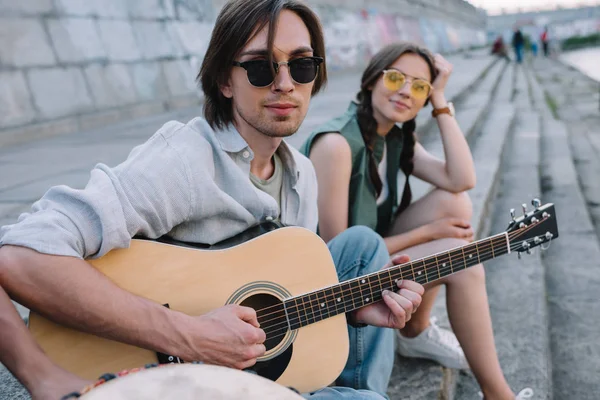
x=449 y=109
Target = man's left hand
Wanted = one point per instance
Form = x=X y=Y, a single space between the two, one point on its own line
x=397 y=307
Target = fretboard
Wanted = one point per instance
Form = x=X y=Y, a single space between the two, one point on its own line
x=350 y=295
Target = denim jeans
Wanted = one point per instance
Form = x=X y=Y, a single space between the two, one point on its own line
x=359 y=251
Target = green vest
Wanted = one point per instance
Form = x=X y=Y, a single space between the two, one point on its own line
x=363 y=209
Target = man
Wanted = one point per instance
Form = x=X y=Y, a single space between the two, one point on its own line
x=518 y=42
x=204 y=182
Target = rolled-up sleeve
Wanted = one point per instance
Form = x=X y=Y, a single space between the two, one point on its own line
x=148 y=194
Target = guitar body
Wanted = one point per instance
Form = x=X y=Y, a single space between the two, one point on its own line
x=261 y=272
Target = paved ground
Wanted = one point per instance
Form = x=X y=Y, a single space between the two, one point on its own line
x=544 y=338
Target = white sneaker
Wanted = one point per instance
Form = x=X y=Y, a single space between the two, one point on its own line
x=434 y=344
x=525 y=394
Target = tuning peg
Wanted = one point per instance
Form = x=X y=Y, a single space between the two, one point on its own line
x=536 y=203
x=529 y=251
x=512 y=214
x=519 y=254
x=524 y=206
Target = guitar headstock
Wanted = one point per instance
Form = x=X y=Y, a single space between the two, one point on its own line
x=534 y=228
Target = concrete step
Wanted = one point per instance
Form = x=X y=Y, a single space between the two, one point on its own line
x=421 y=379
x=573 y=283
x=516 y=288
x=470 y=114
x=460 y=85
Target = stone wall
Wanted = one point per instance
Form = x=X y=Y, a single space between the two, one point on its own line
x=71 y=65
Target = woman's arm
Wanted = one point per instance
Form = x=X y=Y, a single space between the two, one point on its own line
x=332 y=159
x=455 y=174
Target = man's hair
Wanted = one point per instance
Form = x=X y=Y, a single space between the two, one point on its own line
x=238 y=22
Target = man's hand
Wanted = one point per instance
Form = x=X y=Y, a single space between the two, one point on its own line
x=229 y=336
x=396 y=308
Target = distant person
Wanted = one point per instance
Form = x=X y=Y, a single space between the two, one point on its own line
x=499 y=48
x=545 y=42
x=518 y=42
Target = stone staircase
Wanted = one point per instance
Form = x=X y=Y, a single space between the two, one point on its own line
x=542 y=307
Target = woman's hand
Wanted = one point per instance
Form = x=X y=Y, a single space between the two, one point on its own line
x=444 y=69
x=450 y=228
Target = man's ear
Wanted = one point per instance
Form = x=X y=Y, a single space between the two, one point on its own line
x=226 y=89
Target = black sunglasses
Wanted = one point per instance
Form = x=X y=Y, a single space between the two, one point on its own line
x=303 y=70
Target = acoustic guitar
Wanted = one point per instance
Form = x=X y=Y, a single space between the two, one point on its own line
x=287 y=275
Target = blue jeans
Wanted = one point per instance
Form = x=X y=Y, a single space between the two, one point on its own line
x=359 y=251
x=519 y=53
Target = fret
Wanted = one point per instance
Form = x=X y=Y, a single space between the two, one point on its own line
x=478 y=255
x=392 y=282
x=292 y=313
x=431 y=273
x=464 y=258
x=326 y=304
x=368 y=292
x=492 y=244
x=437 y=264
x=300 y=314
x=313 y=299
x=347 y=297
x=421 y=276
x=413 y=272
x=446 y=263
x=336 y=300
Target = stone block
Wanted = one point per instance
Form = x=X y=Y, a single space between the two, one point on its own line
x=76 y=40
x=147 y=9
x=16 y=107
x=100 y=8
x=153 y=39
x=194 y=36
x=119 y=40
x=197 y=10
x=26 y=7
x=180 y=77
x=77 y=8
x=149 y=81
x=59 y=92
x=111 y=85
x=23 y=43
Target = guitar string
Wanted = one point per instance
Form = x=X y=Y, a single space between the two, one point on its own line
x=393 y=276
x=279 y=332
x=285 y=325
x=489 y=242
x=308 y=315
x=403 y=267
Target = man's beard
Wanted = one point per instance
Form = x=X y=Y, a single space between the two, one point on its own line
x=280 y=126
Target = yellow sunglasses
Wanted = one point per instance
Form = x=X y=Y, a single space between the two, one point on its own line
x=395 y=80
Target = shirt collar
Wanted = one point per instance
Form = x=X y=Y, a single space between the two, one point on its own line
x=232 y=142
x=230 y=139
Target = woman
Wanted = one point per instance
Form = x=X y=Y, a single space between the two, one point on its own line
x=358 y=158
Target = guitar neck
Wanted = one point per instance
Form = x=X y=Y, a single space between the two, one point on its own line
x=353 y=294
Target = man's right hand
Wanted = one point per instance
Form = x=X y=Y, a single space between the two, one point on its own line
x=229 y=336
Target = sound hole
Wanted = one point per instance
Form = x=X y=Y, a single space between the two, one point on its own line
x=271 y=317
